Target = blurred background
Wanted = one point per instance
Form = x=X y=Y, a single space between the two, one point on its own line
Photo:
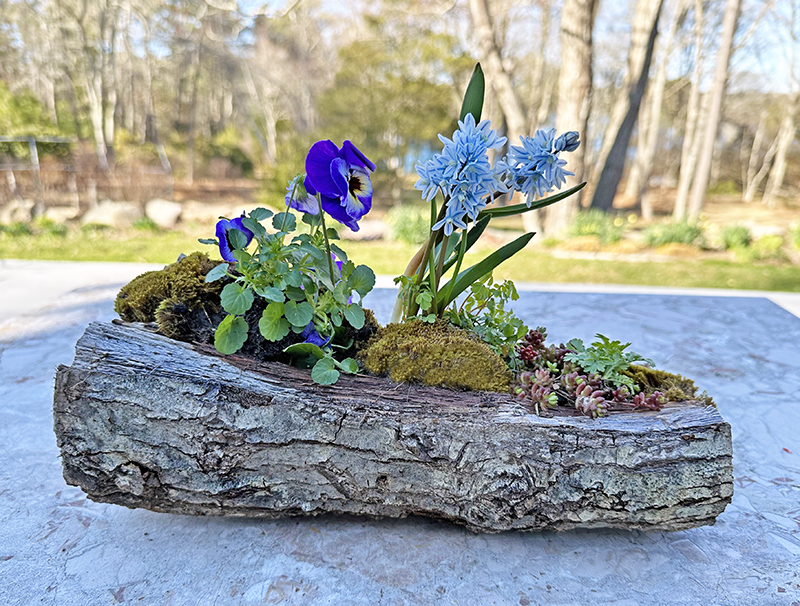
x=128 y=126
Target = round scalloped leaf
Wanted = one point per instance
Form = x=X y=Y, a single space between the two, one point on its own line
x=349 y=365
x=220 y=271
x=236 y=299
x=272 y=325
x=300 y=350
x=299 y=314
x=361 y=280
x=230 y=334
x=354 y=315
x=324 y=372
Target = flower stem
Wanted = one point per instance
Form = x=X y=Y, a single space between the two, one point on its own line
x=461 y=253
x=286 y=212
x=327 y=242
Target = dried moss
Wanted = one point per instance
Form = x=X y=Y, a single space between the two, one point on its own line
x=182 y=281
x=676 y=388
x=435 y=354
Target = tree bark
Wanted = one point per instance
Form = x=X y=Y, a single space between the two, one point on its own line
x=650 y=119
x=143 y=421
x=690 y=145
x=645 y=29
x=574 y=98
x=786 y=135
x=716 y=94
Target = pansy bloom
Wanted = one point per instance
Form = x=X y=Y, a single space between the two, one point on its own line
x=341 y=177
x=298 y=198
x=232 y=235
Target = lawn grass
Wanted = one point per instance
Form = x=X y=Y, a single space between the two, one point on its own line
x=390 y=258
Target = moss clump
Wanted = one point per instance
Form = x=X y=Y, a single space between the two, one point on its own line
x=181 y=282
x=435 y=354
x=675 y=387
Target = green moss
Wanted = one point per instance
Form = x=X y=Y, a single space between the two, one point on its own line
x=435 y=354
x=675 y=387
x=182 y=281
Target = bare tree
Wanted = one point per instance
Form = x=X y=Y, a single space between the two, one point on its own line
x=643 y=39
x=650 y=117
x=574 y=95
x=712 y=118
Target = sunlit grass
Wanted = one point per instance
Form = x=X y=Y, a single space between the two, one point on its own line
x=390 y=258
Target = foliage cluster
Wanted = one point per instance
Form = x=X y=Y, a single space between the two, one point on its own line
x=674 y=233
x=736 y=236
x=408 y=223
x=595 y=222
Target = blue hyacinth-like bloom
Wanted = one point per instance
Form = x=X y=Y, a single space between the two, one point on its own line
x=463 y=173
x=341 y=177
x=223 y=231
x=535 y=168
x=298 y=198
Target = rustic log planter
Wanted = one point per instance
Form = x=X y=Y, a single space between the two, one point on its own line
x=143 y=421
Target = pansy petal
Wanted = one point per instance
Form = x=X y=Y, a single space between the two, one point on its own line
x=359 y=194
x=339 y=174
x=223 y=225
x=354 y=156
x=333 y=206
x=318 y=168
x=237 y=224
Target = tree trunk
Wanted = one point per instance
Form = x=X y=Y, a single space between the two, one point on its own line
x=749 y=180
x=786 y=135
x=143 y=421
x=690 y=145
x=716 y=94
x=574 y=98
x=645 y=29
x=650 y=119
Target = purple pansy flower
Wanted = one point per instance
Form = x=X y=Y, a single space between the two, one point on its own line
x=341 y=177
x=229 y=242
x=298 y=198
x=310 y=335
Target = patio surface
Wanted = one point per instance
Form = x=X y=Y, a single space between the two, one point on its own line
x=57 y=547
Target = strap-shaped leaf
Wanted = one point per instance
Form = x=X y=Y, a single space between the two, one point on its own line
x=518 y=209
x=472 y=237
x=473 y=98
x=480 y=269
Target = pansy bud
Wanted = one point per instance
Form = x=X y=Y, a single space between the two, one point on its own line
x=298 y=198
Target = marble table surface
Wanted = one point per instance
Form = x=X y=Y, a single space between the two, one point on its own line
x=57 y=547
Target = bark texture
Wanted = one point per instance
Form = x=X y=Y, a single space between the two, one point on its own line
x=143 y=421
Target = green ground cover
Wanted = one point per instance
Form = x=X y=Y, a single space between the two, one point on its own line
x=389 y=258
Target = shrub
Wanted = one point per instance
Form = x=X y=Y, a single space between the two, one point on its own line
x=20 y=228
x=595 y=222
x=766 y=248
x=794 y=236
x=408 y=223
x=673 y=233
x=736 y=236
x=146 y=224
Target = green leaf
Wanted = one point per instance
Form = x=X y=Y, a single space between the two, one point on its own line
x=220 y=271
x=295 y=294
x=294 y=278
x=242 y=256
x=236 y=299
x=230 y=334
x=349 y=365
x=324 y=372
x=270 y=293
x=299 y=314
x=260 y=213
x=236 y=239
x=361 y=280
x=300 y=350
x=272 y=325
x=291 y=221
x=312 y=250
x=254 y=226
x=465 y=279
x=311 y=220
x=518 y=209
x=473 y=97
x=212 y=241
x=354 y=315
x=340 y=254
x=472 y=237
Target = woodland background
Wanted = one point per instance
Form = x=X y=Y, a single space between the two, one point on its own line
x=134 y=99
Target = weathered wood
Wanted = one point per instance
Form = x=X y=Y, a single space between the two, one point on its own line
x=143 y=421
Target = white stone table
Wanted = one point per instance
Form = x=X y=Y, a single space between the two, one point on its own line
x=56 y=547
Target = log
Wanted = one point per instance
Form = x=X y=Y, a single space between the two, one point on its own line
x=144 y=421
